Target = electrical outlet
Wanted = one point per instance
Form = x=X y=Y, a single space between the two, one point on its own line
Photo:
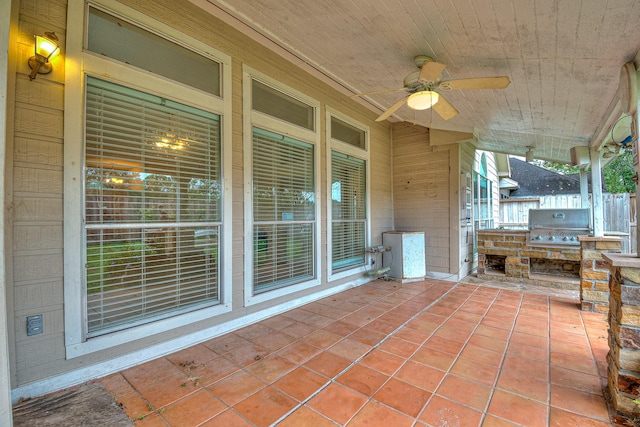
x=373 y=261
x=34 y=325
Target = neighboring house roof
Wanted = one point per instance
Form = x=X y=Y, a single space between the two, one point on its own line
x=535 y=181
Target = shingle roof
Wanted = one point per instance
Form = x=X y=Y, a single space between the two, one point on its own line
x=536 y=181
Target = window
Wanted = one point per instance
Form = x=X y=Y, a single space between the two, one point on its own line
x=483 y=195
x=273 y=102
x=144 y=179
x=349 y=134
x=281 y=211
x=152 y=207
x=348 y=197
x=348 y=216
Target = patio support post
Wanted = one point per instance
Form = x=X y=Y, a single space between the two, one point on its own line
x=584 y=187
x=636 y=160
x=5 y=377
x=596 y=192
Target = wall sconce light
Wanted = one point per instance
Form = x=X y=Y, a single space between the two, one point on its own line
x=423 y=100
x=529 y=155
x=46 y=48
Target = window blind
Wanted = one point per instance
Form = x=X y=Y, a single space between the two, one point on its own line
x=152 y=181
x=283 y=210
x=348 y=202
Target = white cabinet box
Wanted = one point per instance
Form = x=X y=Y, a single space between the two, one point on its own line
x=406 y=258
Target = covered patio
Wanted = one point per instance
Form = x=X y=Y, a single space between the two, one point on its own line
x=428 y=353
x=212 y=261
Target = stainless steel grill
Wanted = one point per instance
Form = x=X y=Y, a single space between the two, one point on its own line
x=558 y=227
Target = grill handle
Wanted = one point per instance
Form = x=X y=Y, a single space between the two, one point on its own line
x=560 y=229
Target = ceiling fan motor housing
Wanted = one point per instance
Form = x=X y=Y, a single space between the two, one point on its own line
x=412 y=82
x=419 y=60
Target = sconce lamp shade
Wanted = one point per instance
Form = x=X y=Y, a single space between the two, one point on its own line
x=423 y=100
x=46 y=48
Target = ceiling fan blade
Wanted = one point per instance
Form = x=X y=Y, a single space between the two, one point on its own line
x=444 y=108
x=377 y=91
x=478 y=83
x=391 y=110
x=431 y=70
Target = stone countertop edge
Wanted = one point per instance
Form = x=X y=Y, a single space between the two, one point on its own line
x=599 y=239
x=622 y=260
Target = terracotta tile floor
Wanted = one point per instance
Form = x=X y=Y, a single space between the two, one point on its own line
x=428 y=353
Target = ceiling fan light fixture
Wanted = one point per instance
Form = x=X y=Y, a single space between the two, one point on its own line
x=423 y=100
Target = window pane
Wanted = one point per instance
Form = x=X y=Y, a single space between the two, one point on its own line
x=347 y=244
x=283 y=184
x=137 y=274
x=483 y=203
x=152 y=207
x=348 y=200
x=282 y=255
x=283 y=210
x=346 y=133
x=118 y=39
x=281 y=106
x=348 y=187
x=149 y=159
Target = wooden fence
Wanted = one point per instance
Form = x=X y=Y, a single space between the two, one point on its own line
x=619 y=214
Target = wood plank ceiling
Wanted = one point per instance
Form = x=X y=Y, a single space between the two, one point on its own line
x=563 y=58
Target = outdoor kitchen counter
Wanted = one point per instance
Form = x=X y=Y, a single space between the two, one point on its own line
x=505 y=254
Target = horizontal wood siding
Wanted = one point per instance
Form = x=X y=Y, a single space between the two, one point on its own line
x=35 y=202
x=421 y=186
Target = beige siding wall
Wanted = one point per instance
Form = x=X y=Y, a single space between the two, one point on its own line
x=382 y=209
x=421 y=191
x=35 y=181
x=35 y=199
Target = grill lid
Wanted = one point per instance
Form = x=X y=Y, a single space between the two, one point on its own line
x=565 y=219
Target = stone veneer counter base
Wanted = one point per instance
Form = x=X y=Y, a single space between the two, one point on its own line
x=548 y=281
x=623 y=359
x=508 y=250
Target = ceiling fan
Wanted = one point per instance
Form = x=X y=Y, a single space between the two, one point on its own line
x=422 y=86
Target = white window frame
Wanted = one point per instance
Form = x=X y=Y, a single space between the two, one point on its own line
x=253 y=118
x=79 y=63
x=479 y=219
x=364 y=154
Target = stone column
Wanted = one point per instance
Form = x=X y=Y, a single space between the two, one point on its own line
x=594 y=271
x=624 y=334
